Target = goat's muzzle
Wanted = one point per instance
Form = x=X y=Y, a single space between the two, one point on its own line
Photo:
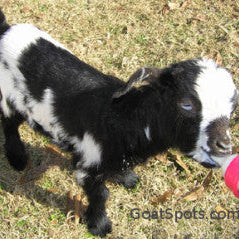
x=219 y=139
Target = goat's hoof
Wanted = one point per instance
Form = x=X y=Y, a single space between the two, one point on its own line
x=100 y=227
x=19 y=167
x=18 y=162
x=130 y=180
x=16 y=154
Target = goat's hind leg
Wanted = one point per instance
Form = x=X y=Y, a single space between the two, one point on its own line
x=14 y=147
x=128 y=178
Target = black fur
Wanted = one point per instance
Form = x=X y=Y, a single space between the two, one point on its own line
x=128 y=178
x=14 y=148
x=96 y=218
x=3 y=25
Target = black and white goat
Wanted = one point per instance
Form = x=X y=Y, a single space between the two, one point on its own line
x=109 y=125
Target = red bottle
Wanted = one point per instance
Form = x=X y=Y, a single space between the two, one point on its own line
x=230 y=170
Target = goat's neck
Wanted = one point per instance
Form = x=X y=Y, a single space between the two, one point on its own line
x=145 y=127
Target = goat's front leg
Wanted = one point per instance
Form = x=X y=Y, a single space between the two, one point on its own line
x=96 y=218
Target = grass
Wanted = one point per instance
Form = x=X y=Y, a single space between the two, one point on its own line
x=117 y=37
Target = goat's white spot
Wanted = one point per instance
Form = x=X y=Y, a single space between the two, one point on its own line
x=21 y=36
x=199 y=153
x=12 y=44
x=90 y=150
x=215 y=89
x=143 y=76
x=42 y=113
x=10 y=91
x=228 y=134
x=147 y=132
x=33 y=110
x=80 y=176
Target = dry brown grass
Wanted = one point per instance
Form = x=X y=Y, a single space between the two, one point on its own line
x=117 y=37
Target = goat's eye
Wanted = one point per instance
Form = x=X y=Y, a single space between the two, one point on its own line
x=187 y=107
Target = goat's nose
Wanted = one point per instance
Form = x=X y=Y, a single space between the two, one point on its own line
x=219 y=139
x=223 y=144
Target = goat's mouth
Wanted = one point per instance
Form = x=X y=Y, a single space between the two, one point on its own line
x=205 y=158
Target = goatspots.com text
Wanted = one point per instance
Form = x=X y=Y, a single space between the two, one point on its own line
x=176 y=215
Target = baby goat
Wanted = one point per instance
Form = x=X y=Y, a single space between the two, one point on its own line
x=109 y=125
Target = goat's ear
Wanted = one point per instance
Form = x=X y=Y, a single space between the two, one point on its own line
x=142 y=76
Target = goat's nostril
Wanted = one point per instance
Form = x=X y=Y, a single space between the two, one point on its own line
x=225 y=146
x=220 y=145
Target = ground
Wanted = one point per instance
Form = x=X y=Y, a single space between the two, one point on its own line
x=117 y=37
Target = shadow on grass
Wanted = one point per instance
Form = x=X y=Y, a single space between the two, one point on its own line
x=24 y=183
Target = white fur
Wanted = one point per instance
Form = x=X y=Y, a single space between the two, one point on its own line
x=228 y=134
x=42 y=113
x=13 y=88
x=143 y=76
x=7 y=86
x=90 y=150
x=80 y=176
x=34 y=111
x=147 y=132
x=13 y=43
x=215 y=89
x=18 y=38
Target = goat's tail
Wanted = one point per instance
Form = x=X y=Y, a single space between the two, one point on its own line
x=3 y=24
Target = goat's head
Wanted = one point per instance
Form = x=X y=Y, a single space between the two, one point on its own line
x=197 y=98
